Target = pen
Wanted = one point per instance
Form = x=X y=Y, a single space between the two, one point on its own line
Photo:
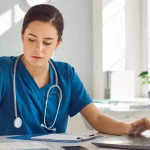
x=83 y=138
x=92 y=135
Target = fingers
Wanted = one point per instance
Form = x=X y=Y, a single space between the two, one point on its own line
x=136 y=123
x=139 y=130
x=147 y=123
x=140 y=122
x=140 y=126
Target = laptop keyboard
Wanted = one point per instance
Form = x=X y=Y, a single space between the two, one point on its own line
x=138 y=140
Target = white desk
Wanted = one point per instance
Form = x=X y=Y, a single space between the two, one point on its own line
x=57 y=145
x=120 y=112
x=90 y=146
x=123 y=112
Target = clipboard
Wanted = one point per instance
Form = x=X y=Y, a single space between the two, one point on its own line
x=65 y=137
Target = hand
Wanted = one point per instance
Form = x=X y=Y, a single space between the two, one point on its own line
x=139 y=126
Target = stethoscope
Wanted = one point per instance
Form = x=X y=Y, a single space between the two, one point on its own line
x=18 y=120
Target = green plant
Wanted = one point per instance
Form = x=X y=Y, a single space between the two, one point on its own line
x=144 y=75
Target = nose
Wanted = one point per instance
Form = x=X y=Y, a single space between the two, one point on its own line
x=39 y=47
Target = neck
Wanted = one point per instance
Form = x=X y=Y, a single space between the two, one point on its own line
x=39 y=74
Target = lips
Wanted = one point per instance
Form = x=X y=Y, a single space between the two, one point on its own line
x=37 y=57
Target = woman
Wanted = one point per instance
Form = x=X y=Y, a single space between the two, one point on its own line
x=37 y=93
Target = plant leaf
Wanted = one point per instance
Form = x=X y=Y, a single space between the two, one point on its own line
x=144 y=73
x=143 y=83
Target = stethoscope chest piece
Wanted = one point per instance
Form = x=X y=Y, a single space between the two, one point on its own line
x=18 y=122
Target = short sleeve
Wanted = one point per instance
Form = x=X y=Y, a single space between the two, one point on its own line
x=2 y=79
x=79 y=96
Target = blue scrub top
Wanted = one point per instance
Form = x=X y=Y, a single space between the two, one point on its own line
x=31 y=99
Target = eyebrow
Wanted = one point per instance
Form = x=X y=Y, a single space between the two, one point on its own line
x=47 y=38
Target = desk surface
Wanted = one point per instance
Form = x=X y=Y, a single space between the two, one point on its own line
x=57 y=145
x=121 y=107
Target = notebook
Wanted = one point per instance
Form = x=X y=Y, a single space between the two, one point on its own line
x=65 y=137
x=135 y=142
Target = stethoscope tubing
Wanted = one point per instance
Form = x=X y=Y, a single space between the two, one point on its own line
x=17 y=123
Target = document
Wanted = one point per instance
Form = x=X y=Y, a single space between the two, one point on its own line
x=65 y=137
x=140 y=106
x=23 y=145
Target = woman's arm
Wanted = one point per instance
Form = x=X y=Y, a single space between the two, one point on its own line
x=104 y=124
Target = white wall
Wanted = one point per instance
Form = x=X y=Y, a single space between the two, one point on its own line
x=148 y=35
x=133 y=11
x=144 y=42
x=77 y=45
x=134 y=39
x=98 y=75
x=10 y=41
x=76 y=48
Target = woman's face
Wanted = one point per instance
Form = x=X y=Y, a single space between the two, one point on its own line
x=40 y=40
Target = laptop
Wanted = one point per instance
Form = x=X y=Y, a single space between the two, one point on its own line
x=135 y=142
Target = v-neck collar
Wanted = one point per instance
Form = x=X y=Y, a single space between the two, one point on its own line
x=39 y=91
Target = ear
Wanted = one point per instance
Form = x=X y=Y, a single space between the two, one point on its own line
x=59 y=42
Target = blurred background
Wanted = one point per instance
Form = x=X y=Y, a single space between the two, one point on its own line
x=106 y=41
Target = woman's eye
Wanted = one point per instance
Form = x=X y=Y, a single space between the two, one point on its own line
x=31 y=40
x=47 y=44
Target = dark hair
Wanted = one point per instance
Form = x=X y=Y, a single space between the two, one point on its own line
x=44 y=13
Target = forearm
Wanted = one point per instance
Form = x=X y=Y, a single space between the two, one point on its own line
x=103 y=123
x=107 y=125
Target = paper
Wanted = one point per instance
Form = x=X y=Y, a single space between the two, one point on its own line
x=33 y=145
x=64 y=137
x=141 y=106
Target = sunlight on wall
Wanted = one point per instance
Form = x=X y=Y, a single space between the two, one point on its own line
x=112 y=8
x=9 y=18
x=35 y=2
x=113 y=31
x=5 y=22
x=18 y=13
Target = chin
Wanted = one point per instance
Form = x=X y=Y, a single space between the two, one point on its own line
x=37 y=64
